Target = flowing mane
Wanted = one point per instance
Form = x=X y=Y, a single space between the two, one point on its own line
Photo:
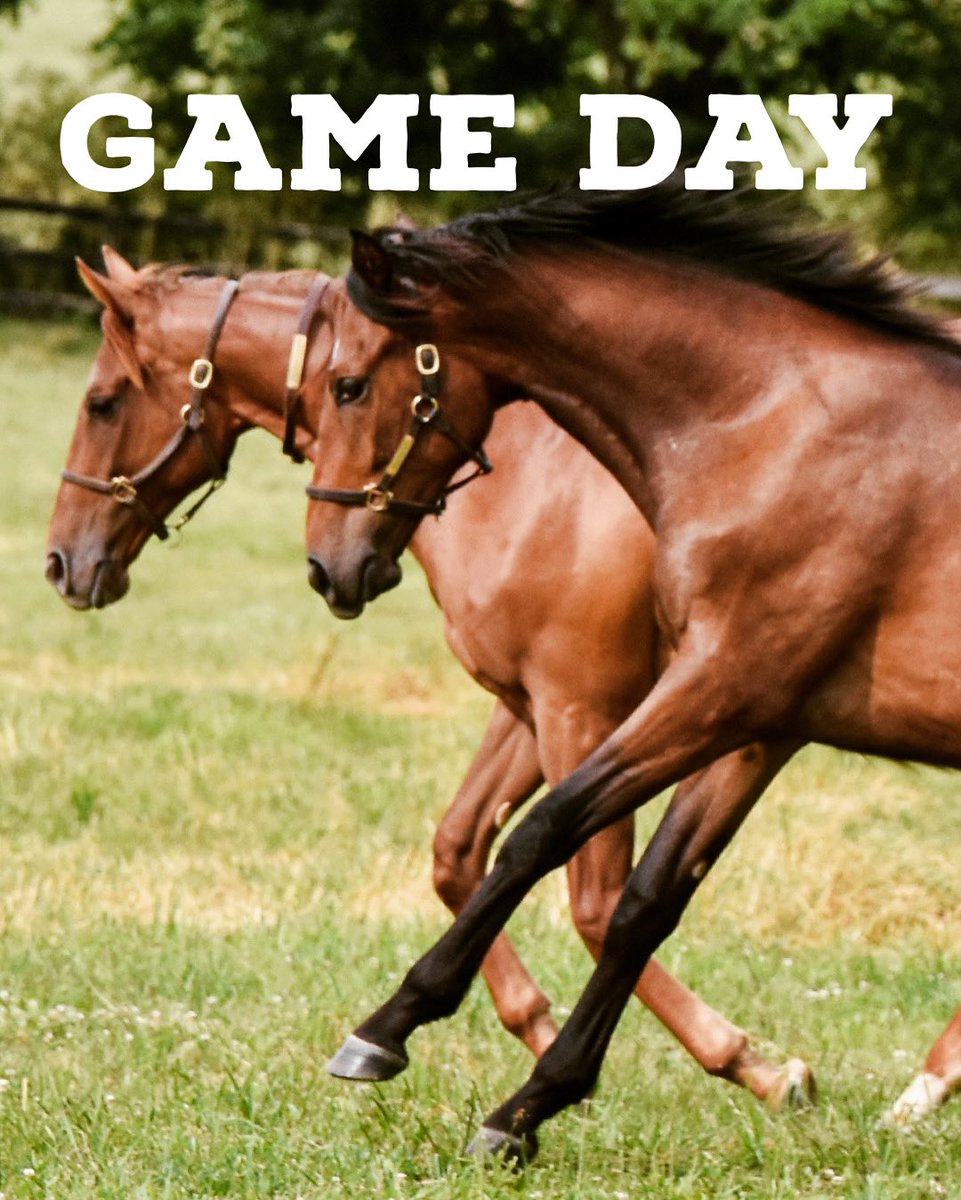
x=730 y=231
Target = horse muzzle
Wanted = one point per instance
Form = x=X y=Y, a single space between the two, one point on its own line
x=348 y=594
x=104 y=584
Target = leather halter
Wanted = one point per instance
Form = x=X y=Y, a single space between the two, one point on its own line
x=293 y=397
x=426 y=412
x=124 y=488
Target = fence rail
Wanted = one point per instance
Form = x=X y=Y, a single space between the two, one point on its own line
x=40 y=238
x=38 y=279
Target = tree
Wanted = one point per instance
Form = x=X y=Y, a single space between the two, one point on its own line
x=546 y=52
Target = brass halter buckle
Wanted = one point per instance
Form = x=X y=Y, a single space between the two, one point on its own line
x=201 y=373
x=377 y=499
x=123 y=490
x=427 y=358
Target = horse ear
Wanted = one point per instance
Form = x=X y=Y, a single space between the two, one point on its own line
x=98 y=285
x=117 y=266
x=371 y=261
x=117 y=321
x=403 y=221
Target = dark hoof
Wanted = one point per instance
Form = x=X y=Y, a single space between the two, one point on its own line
x=516 y=1150
x=357 y=1059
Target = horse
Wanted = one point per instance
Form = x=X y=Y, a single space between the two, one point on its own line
x=139 y=449
x=786 y=418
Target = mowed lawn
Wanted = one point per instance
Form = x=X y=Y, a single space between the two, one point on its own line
x=216 y=808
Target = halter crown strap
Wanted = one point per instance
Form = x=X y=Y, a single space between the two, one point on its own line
x=295 y=366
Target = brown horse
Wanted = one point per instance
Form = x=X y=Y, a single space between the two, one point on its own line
x=135 y=428
x=789 y=425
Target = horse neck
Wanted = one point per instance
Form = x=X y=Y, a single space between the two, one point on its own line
x=252 y=357
x=635 y=358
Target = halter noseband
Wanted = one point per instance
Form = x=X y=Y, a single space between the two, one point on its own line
x=425 y=412
x=124 y=488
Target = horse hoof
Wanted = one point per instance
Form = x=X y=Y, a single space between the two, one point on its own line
x=922 y=1096
x=796 y=1087
x=514 y=1149
x=364 y=1061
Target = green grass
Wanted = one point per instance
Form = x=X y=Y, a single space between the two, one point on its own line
x=216 y=805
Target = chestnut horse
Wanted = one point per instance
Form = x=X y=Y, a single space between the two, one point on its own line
x=790 y=425
x=136 y=442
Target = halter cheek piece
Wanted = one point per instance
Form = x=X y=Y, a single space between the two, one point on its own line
x=124 y=488
x=426 y=413
x=293 y=398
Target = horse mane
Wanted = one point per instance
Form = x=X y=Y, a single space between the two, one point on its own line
x=760 y=242
x=166 y=277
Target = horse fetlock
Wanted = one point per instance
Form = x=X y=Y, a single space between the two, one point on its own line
x=789 y=1086
x=529 y=1019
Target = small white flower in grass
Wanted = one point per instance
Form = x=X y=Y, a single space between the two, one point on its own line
x=28 y=1172
x=899 y=1053
x=829 y=1175
x=787 y=962
x=937 y=1188
x=4 y=1085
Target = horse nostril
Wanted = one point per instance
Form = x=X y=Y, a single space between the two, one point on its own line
x=317 y=577
x=56 y=570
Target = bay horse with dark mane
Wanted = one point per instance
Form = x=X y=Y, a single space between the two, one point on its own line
x=188 y=363
x=789 y=423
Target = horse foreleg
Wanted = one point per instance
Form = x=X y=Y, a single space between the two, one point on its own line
x=691 y=836
x=940 y=1078
x=687 y=721
x=503 y=775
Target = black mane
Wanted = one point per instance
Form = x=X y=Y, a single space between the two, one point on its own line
x=730 y=231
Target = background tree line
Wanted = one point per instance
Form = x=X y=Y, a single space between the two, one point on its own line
x=545 y=52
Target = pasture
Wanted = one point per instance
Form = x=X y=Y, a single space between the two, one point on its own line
x=216 y=808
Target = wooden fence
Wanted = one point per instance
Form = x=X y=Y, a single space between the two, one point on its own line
x=39 y=239
x=41 y=278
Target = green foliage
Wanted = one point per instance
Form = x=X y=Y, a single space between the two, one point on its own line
x=547 y=52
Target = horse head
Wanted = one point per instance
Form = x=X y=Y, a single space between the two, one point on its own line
x=394 y=422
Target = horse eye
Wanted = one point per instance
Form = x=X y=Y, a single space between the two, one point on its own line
x=104 y=407
x=349 y=388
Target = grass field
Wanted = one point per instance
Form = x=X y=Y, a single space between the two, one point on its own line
x=216 y=805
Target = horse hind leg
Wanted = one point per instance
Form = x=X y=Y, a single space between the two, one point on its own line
x=695 y=829
x=940 y=1078
x=596 y=878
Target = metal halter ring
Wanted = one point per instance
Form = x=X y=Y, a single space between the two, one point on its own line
x=424 y=407
x=194 y=417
